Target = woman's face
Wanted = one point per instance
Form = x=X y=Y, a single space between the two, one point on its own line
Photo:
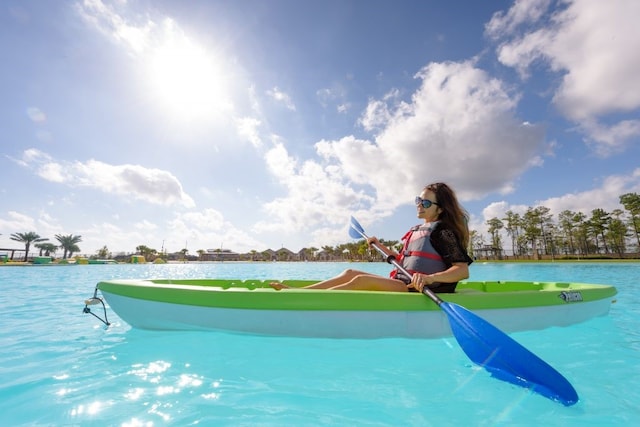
x=431 y=213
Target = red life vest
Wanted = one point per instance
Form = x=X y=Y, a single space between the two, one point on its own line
x=418 y=254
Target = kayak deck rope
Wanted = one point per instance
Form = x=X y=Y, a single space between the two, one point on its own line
x=95 y=300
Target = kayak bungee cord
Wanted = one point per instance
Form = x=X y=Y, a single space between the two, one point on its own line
x=94 y=300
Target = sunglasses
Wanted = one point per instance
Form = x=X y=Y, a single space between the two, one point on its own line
x=424 y=202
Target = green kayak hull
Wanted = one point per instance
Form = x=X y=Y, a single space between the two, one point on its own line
x=252 y=306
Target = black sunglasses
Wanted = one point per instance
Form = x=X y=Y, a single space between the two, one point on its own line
x=426 y=203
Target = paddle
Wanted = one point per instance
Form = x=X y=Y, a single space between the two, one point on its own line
x=491 y=348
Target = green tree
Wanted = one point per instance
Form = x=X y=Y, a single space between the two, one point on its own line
x=310 y=253
x=513 y=226
x=47 y=248
x=27 y=238
x=148 y=253
x=69 y=244
x=475 y=241
x=532 y=231
x=495 y=225
x=568 y=222
x=598 y=224
x=73 y=249
x=103 y=253
x=329 y=251
x=546 y=228
x=631 y=202
x=617 y=233
x=581 y=232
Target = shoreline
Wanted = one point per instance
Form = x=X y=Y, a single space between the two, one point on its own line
x=479 y=261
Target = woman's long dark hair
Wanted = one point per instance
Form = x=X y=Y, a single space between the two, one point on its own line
x=452 y=215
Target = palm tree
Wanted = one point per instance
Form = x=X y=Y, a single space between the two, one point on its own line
x=72 y=249
x=69 y=244
x=148 y=253
x=48 y=248
x=27 y=239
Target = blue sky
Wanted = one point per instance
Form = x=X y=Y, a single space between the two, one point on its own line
x=261 y=124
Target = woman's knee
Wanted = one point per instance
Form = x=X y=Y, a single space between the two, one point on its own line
x=351 y=273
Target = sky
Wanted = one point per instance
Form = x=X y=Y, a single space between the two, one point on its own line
x=254 y=124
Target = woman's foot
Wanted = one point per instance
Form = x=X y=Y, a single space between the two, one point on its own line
x=277 y=286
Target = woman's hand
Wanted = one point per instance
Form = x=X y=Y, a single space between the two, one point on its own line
x=373 y=240
x=458 y=271
x=419 y=281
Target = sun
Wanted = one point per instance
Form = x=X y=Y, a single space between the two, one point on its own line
x=188 y=81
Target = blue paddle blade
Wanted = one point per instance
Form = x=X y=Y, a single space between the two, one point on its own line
x=353 y=233
x=355 y=230
x=504 y=358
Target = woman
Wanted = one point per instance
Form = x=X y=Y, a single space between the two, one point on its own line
x=434 y=252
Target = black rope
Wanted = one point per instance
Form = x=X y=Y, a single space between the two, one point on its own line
x=87 y=310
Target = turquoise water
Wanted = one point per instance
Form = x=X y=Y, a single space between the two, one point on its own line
x=61 y=367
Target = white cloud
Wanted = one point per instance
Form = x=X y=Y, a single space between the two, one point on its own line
x=593 y=45
x=343 y=108
x=378 y=112
x=36 y=115
x=199 y=230
x=334 y=96
x=317 y=194
x=522 y=12
x=459 y=127
x=146 y=225
x=16 y=222
x=53 y=172
x=248 y=127
x=109 y=21
x=282 y=97
x=608 y=138
x=146 y=184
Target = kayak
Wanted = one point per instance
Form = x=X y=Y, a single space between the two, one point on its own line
x=253 y=307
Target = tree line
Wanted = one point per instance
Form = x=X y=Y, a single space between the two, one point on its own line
x=536 y=233
x=68 y=243
x=533 y=234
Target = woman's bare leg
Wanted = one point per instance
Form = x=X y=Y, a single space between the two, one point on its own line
x=338 y=280
x=371 y=282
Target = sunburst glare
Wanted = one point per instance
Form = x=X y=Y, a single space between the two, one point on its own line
x=188 y=80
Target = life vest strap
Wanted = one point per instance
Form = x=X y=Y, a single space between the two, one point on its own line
x=422 y=254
